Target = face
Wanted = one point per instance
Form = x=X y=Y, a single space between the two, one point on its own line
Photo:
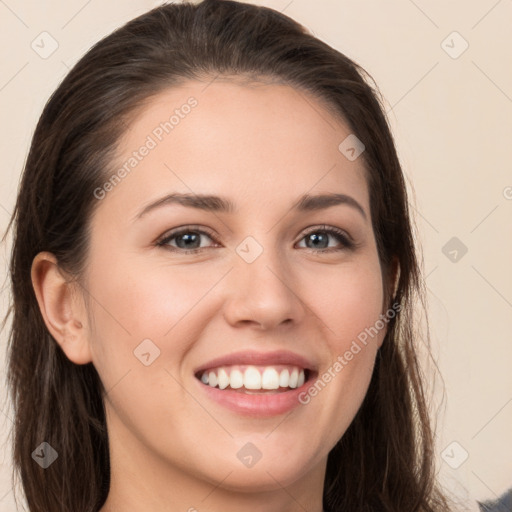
x=200 y=302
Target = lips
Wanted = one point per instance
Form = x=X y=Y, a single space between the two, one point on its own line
x=255 y=383
x=278 y=357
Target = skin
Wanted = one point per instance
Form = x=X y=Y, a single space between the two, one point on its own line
x=262 y=146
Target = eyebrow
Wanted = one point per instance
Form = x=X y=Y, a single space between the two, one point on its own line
x=213 y=203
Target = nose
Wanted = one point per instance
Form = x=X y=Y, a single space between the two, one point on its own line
x=263 y=293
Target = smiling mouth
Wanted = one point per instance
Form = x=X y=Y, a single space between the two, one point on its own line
x=250 y=379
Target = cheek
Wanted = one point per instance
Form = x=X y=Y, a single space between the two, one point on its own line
x=348 y=299
x=141 y=301
x=141 y=310
x=349 y=307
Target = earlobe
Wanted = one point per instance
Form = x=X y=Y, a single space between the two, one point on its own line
x=62 y=313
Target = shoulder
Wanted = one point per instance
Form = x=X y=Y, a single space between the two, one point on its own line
x=502 y=504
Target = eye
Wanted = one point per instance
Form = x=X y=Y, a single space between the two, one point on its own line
x=185 y=240
x=319 y=239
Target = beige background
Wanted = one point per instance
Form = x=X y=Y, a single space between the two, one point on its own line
x=452 y=118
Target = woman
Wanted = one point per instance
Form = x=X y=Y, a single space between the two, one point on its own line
x=213 y=277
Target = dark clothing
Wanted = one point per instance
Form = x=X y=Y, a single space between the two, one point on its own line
x=502 y=504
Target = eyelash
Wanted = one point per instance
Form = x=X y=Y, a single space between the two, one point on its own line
x=340 y=235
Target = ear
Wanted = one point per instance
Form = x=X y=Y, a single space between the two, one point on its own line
x=64 y=315
x=393 y=277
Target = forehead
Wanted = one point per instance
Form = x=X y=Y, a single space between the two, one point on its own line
x=227 y=137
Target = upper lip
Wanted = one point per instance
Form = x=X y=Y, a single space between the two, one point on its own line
x=258 y=359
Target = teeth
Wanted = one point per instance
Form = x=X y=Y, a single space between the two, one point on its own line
x=223 y=379
x=284 y=378
x=254 y=378
x=236 y=379
x=270 y=379
x=294 y=377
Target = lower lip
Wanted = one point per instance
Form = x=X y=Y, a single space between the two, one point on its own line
x=259 y=404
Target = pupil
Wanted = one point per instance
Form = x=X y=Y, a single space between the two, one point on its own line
x=187 y=238
x=315 y=238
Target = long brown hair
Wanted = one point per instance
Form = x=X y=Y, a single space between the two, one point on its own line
x=384 y=461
